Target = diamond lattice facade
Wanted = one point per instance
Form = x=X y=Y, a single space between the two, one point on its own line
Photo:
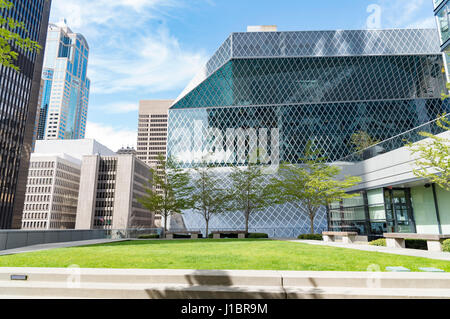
x=279 y=90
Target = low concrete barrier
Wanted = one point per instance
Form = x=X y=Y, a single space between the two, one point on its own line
x=217 y=284
x=10 y=239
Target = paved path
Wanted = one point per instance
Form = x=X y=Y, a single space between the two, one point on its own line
x=29 y=249
x=397 y=251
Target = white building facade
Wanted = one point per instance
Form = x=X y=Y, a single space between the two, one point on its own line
x=52 y=192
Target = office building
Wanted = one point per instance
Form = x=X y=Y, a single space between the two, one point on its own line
x=277 y=91
x=19 y=92
x=53 y=182
x=52 y=192
x=65 y=89
x=109 y=190
x=152 y=130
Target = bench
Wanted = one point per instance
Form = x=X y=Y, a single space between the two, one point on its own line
x=397 y=240
x=347 y=237
x=217 y=234
x=194 y=234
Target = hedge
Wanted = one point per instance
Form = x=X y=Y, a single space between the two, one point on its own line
x=257 y=235
x=149 y=236
x=378 y=242
x=446 y=245
x=310 y=237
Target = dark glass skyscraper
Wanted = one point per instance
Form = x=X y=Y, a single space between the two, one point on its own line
x=280 y=90
x=19 y=93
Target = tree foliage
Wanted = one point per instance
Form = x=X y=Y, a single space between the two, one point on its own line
x=362 y=140
x=311 y=185
x=249 y=192
x=434 y=156
x=208 y=198
x=12 y=39
x=169 y=191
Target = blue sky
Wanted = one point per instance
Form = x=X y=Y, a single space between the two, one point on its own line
x=151 y=49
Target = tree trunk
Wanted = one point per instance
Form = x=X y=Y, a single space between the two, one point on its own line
x=207 y=228
x=247 y=217
x=311 y=219
x=165 y=222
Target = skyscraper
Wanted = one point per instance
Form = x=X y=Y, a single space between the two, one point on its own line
x=152 y=131
x=19 y=92
x=65 y=88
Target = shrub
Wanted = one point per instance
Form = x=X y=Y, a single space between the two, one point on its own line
x=378 y=242
x=416 y=244
x=149 y=236
x=257 y=235
x=446 y=245
x=310 y=237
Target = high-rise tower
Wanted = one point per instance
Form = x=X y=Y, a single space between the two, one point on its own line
x=19 y=92
x=65 y=88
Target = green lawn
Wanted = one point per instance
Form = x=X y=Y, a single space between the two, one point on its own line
x=217 y=254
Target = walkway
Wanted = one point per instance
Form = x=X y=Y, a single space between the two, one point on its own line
x=397 y=251
x=34 y=248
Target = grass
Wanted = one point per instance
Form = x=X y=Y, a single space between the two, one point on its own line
x=217 y=254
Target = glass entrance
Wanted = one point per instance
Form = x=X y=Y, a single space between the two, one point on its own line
x=399 y=215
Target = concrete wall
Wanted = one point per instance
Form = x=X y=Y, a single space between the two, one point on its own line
x=124 y=191
x=10 y=239
x=88 y=192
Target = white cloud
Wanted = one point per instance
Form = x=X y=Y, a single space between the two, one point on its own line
x=131 y=47
x=406 y=13
x=120 y=107
x=112 y=137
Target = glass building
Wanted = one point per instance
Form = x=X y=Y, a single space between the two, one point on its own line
x=442 y=12
x=65 y=88
x=280 y=90
x=19 y=92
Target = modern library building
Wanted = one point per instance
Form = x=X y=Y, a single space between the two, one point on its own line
x=279 y=91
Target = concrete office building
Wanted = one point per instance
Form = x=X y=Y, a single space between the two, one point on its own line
x=52 y=192
x=278 y=91
x=74 y=148
x=53 y=182
x=152 y=134
x=109 y=189
x=19 y=92
x=65 y=88
x=152 y=130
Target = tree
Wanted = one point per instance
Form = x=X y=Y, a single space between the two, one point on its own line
x=362 y=140
x=311 y=185
x=249 y=192
x=208 y=199
x=434 y=155
x=11 y=38
x=169 y=191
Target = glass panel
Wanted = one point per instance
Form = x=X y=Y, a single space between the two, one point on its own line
x=375 y=196
x=443 y=23
x=377 y=213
